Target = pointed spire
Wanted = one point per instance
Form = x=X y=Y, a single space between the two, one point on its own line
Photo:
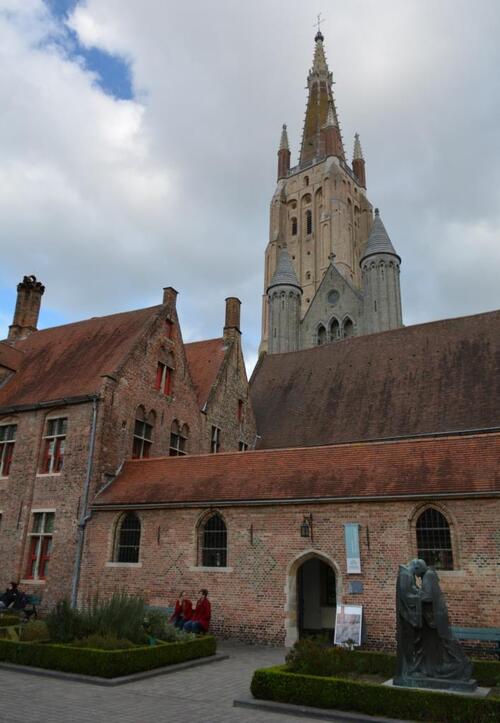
x=321 y=111
x=358 y=162
x=284 y=273
x=358 y=153
x=284 y=139
x=378 y=240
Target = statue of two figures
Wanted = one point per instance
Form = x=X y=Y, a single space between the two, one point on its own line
x=428 y=655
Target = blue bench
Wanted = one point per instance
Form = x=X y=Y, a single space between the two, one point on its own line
x=483 y=635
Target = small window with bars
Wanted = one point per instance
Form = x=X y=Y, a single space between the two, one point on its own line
x=215 y=440
x=54 y=445
x=178 y=439
x=40 y=545
x=164 y=378
x=434 y=539
x=7 y=444
x=128 y=540
x=214 y=542
x=143 y=439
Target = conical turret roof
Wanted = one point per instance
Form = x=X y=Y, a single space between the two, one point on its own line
x=285 y=273
x=378 y=240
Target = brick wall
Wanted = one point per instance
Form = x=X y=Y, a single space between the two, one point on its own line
x=254 y=597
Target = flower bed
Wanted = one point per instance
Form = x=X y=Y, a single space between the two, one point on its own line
x=278 y=684
x=105 y=663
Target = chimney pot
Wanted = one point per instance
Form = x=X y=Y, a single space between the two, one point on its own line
x=232 y=313
x=28 y=302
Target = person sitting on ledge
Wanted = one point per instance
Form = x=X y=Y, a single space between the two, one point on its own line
x=200 y=621
x=10 y=596
x=183 y=611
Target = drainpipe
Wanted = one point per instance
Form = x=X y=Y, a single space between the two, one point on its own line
x=84 y=515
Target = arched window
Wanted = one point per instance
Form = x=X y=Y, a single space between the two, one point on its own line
x=128 y=539
x=348 y=328
x=178 y=439
x=434 y=539
x=214 y=542
x=334 y=329
x=306 y=180
x=321 y=335
x=294 y=226
x=309 y=222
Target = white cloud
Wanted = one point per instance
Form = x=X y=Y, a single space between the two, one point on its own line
x=109 y=200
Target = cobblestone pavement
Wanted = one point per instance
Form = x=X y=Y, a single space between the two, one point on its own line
x=197 y=695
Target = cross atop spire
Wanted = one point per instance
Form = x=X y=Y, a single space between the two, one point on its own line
x=319 y=34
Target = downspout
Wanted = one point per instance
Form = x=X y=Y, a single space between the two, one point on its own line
x=84 y=515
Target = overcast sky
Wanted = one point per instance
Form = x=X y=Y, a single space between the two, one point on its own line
x=138 y=147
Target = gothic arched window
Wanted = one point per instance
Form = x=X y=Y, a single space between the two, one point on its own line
x=321 y=335
x=128 y=539
x=143 y=433
x=434 y=539
x=348 y=328
x=294 y=226
x=334 y=329
x=213 y=541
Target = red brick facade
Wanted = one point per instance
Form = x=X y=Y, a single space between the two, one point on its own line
x=255 y=597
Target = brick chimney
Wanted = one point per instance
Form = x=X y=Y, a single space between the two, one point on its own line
x=170 y=296
x=29 y=299
x=232 y=324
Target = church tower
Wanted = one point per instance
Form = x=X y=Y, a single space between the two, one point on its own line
x=319 y=210
x=284 y=296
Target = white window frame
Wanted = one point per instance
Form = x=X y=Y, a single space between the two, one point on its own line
x=3 y=448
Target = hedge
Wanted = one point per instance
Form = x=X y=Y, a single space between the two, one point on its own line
x=7 y=620
x=486 y=672
x=104 y=663
x=321 y=692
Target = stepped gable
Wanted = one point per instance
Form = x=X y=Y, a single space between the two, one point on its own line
x=430 y=378
x=204 y=360
x=70 y=360
x=450 y=465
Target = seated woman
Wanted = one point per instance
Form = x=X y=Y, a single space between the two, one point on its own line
x=10 y=596
x=183 y=611
x=200 y=621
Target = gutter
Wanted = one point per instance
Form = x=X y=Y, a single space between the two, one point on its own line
x=294 y=501
x=84 y=515
x=64 y=401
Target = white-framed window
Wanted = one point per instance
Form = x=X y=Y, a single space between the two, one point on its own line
x=128 y=539
x=40 y=548
x=54 y=445
x=178 y=439
x=7 y=444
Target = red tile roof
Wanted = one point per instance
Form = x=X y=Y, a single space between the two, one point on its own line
x=437 y=377
x=10 y=357
x=70 y=360
x=204 y=360
x=427 y=467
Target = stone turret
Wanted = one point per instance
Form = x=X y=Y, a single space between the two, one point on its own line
x=380 y=269
x=358 y=162
x=283 y=154
x=29 y=299
x=284 y=295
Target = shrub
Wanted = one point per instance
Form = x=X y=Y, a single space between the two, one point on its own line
x=35 y=630
x=157 y=626
x=104 y=663
x=64 y=623
x=8 y=619
x=121 y=616
x=103 y=642
x=327 y=692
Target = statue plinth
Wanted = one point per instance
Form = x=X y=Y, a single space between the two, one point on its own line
x=458 y=686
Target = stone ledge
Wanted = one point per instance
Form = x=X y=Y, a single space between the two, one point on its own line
x=111 y=682
x=302 y=711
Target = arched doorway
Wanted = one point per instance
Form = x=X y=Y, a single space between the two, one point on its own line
x=316 y=598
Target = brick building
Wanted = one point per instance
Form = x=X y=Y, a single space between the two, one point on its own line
x=78 y=400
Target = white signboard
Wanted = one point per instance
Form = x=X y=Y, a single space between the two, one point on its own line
x=348 y=625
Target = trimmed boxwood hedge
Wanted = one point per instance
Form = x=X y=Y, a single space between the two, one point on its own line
x=339 y=693
x=486 y=672
x=104 y=663
x=6 y=620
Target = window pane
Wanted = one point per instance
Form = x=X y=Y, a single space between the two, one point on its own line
x=434 y=539
x=139 y=428
x=37 y=522
x=214 y=550
x=129 y=539
x=49 y=522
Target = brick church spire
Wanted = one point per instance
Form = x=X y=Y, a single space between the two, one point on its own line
x=321 y=134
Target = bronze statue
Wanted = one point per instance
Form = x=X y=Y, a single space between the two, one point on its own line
x=427 y=653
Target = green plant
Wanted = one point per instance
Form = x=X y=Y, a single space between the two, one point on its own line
x=280 y=685
x=64 y=623
x=122 y=616
x=157 y=626
x=35 y=630
x=103 y=642
x=104 y=663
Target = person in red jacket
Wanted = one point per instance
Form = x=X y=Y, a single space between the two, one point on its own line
x=183 y=611
x=200 y=621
